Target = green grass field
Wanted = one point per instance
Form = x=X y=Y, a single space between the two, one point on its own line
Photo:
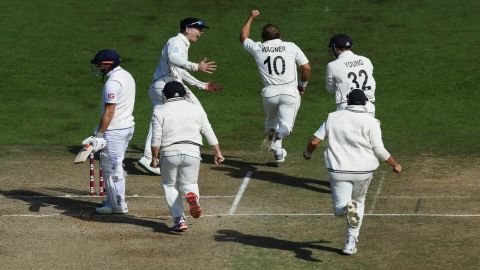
x=425 y=55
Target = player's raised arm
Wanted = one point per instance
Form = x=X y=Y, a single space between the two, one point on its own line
x=246 y=27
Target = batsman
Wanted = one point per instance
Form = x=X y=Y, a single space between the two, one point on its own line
x=116 y=128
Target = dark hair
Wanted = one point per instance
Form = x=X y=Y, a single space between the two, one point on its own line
x=270 y=31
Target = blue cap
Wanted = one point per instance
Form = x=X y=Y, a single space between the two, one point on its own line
x=192 y=22
x=340 y=41
x=106 y=55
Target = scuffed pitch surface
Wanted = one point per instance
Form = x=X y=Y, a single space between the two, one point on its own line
x=283 y=220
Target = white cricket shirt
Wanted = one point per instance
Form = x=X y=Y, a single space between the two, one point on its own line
x=173 y=64
x=119 y=89
x=177 y=127
x=354 y=143
x=277 y=62
x=350 y=71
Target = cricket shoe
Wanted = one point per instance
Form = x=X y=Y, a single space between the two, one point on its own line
x=145 y=163
x=268 y=141
x=107 y=210
x=180 y=225
x=352 y=214
x=195 y=209
x=350 y=246
x=279 y=155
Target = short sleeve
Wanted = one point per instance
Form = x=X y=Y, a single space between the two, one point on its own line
x=250 y=45
x=111 y=92
x=321 y=133
x=300 y=57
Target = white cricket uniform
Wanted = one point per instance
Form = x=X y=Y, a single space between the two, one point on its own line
x=119 y=89
x=177 y=128
x=350 y=71
x=173 y=66
x=277 y=62
x=354 y=147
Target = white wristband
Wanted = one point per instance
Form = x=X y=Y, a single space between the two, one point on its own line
x=303 y=83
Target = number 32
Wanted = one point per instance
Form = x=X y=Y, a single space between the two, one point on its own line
x=361 y=73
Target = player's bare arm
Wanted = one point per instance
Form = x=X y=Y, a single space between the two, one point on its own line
x=106 y=117
x=248 y=24
x=304 y=78
x=311 y=146
x=154 y=162
x=218 y=158
x=395 y=165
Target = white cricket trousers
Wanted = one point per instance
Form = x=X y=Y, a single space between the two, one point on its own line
x=112 y=157
x=345 y=191
x=280 y=113
x=180 y=176
x=157 y=99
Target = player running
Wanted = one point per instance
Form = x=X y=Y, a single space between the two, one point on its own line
x=354 y=147
x=277 y=62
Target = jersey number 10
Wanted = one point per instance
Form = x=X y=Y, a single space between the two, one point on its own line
x=275 y=65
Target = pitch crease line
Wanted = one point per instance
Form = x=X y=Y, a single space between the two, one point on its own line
x=242 y=189
x=377 y=194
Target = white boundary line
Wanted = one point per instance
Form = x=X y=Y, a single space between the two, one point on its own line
x=244 y=185
x=246 y=215
x=377 y=194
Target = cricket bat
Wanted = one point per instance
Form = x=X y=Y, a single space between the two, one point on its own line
x=83 y=154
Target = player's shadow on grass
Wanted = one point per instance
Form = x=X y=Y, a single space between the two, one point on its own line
x=238 y=169
x=83 y=210
x=301 y=249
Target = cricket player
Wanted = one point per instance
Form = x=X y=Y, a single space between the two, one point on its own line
x=177 y=128
x=115 y=129
x=354 y=147
x=349 y=71
x=277 y=62
x=174 y=66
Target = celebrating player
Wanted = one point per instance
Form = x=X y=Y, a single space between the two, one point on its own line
x=116 y=128
x=354 y=147
x=177 y=128
x=349 y=71
x=174 y=66
x=277 y=62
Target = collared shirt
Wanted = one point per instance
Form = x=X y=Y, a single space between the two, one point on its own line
x=173 y=64
x=119 y=89
x=350 y=71
x=277 y=62
x=177 y=127
x=354 y=141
